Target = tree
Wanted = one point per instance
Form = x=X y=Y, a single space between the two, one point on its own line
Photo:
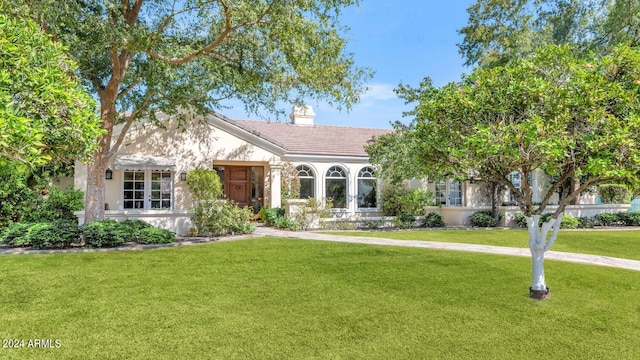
x=551 y=112
x=501 y=30
x=143 y=56
x=45 y=114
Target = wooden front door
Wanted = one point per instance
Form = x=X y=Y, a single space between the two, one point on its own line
x=239 y=184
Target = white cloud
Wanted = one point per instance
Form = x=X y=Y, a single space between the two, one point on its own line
x=379 y=92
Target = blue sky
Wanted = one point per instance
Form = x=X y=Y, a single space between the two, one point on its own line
x=402 y=42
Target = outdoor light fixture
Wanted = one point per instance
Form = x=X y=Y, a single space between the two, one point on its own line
x=108 y=174
x=183 y=176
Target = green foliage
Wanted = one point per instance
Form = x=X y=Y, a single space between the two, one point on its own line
x=151 y=235
x=284 y=222
x=105 y=233
x=58 y=234
x=372 y=224
x=217 y=218
x=45 y=113
x=404 y=221
x=483 y=219
x=520 y=220
x=585 y=222
x=553 y=111
x=433 y=220
x=55 y=205
x=338 y=225
x=132 y=226
x=289 y=182
x=397 y=199
x=269 y=215
x=15 y=234
x=397 y=154
x=43 y=235
x=614 y=194
x=606 y=219
x=630 y=218
x=204 y=184
x=569 y=222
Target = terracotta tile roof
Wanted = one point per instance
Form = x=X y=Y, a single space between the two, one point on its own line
x=312 y=139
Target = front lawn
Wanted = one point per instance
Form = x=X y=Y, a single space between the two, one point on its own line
x=617 y=243
x=270 y=298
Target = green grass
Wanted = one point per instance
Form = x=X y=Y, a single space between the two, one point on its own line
x=622 y=244
x=275 y=298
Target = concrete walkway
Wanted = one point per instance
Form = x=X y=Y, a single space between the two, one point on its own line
x=500 y=250
x=305 y=235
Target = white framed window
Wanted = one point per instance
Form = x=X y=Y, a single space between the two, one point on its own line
x=336 y=186
x=147 y=189
x=448 y=192
x=307 y=181
x=367 y=188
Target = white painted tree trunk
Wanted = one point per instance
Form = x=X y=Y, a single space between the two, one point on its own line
x=539 y=244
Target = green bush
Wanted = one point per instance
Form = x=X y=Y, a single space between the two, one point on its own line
x=283 y=222
x=433 y=219
x=58 y=234
x=614 y=194
x=151 y=235
x=372 y=224
x=404 y=221
x=55 y=205
x=269 y=215
x=569 y=222
x=396 y=199
x=585 y=222
x=204 y=184
x=483 y=219
x=105 y=233
x=606 y=219
x=131 y=228
x=630 y=218
x=217 y=218
x=15 y=235
x=520 y=220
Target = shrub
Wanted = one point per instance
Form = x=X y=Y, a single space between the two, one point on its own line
x=15 y=235
x=338 y=225
x=433 y=219
x=105 y=233
x=569 y=222
x=55 y=205
x=585 y=222
x=396 y=199
x=269 y=215
x=204 y=184
x=131 y=227
x=151 y=235
x=218 y=218
x=283 y=222
x=630 y=218
x=59 y=234
x=614 y=194
x=483 y=219
x=520 y=220
x=372 y=224
x=606 y=219
x=404 y=221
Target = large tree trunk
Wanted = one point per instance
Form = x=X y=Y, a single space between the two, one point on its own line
x=94 y=199
x=538 y=244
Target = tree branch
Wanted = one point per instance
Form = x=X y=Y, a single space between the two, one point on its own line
x=209 y=48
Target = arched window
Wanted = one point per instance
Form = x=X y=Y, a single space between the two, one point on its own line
x=336 y=186
x=307 y=182
x=367 y=188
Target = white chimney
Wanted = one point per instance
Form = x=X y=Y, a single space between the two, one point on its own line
x=302 y=115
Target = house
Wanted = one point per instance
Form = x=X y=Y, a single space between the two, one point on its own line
x=146 y=178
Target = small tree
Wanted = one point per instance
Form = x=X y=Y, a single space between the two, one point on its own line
x=204 y=184
x=551 y=113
